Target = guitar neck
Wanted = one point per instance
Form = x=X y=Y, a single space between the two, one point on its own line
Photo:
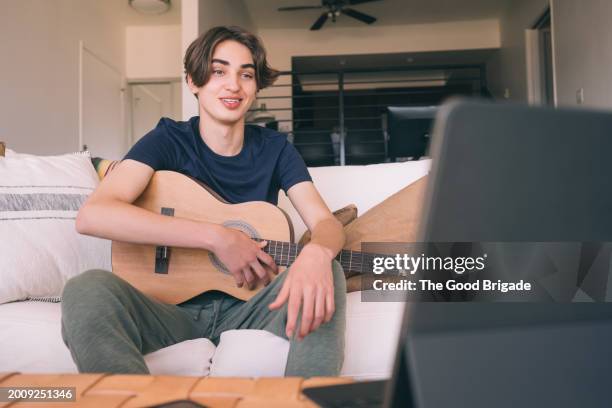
x=353 y=262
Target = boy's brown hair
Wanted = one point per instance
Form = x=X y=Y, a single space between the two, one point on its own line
x=199 y=55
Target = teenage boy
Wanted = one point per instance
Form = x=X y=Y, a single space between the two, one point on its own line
x=108 y=325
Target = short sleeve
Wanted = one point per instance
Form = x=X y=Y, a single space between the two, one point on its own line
x=291 y=168
x=156 y=149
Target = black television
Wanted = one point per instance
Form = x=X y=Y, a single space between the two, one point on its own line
x=408 y=130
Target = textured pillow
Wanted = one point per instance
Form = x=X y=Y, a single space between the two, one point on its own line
x=345 y=215
x=396 y=219
x=39 y=199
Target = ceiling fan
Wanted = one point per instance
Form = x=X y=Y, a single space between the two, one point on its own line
x=334 y=9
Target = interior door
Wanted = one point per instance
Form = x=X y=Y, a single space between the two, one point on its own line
x=150 y=102
x=102 y=107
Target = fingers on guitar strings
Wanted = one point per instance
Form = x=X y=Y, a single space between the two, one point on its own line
x=266 y=259
x=261 y=273
x=249 y=278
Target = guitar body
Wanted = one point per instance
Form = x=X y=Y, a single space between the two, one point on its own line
x=190 y=272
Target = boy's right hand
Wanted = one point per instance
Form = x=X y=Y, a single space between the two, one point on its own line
x=244 y=257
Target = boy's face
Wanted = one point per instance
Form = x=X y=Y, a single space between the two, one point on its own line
x=231 y=88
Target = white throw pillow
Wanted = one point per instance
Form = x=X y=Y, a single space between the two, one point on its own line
x=40 y=248
x=250 y=353
x=372 y=330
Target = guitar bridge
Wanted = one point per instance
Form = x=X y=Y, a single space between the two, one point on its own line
x=162 y=253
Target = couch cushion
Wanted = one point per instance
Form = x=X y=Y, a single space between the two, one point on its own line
x=191 y=357
x=9 y=152
x=31 y=342
x=250 y=353
x=39 y=199
x=372 y=331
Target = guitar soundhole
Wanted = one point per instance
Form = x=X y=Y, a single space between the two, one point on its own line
x=240 y=226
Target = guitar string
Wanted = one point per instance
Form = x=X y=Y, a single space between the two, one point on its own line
x=353 y=263
x=286 y=248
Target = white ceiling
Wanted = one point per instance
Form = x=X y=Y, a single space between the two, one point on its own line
x=388 y=12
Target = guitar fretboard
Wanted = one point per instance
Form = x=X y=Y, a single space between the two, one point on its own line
x=353 y=262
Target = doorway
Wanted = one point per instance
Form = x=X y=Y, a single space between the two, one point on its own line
x=540 y=72
x=149 y=102
x=101 y=106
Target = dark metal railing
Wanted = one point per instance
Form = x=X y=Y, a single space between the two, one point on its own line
x=339 y=117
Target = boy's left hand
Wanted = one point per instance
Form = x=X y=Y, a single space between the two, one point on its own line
x=309 y=284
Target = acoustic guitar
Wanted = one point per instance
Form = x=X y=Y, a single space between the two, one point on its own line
x=174 y=275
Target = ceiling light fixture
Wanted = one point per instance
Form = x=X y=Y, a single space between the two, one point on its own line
x=150 y=6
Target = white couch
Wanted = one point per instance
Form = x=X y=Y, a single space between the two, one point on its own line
x=30 y=339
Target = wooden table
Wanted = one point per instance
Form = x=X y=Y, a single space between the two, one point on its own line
x=131 y=391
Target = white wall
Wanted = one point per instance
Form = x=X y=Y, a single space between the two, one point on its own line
x=39 y=66
x=153 y=52
x=228 y=12
x=508 y=71
x=190 y=23
x=583 y=52
x=282 y=44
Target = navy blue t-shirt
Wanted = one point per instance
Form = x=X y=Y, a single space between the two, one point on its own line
x=266 y=163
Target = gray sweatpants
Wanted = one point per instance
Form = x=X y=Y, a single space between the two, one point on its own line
x=109 y=325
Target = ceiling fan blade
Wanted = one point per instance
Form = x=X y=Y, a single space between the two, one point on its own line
x=320 y=21
x=357 y=15
x=299 y=8
x=355 y=2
